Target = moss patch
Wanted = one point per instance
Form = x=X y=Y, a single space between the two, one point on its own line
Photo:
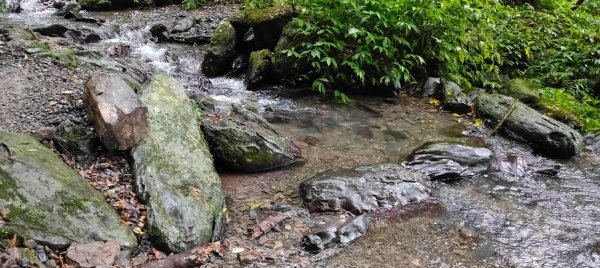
x=252 y=16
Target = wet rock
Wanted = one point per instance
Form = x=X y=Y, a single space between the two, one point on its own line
x=447 y=161
x=76 y=140
x=93 y=254
x=118 y=51
x=523 y=164
x=174 y=171
x=454 y=99
x=339 y=232
x=40 y=252
x=249 y=256
x=38 y=190
x=364 y=188
x=240 y=64
x=259 y=66
x=54 y=30
x=91 y=38
x=192 y=36
x=94 y=4
x=266 y=24
x=159 y=31
x=119 y=117
x=544 y=134
x=64 y=9
x=241 y=139
x=12 y=6
x=431 y=86
x=522 y=91
x=182 y=25
x=592 y=143
x=288 y=68
x=221 y=50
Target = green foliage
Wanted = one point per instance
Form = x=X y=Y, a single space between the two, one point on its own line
x=190 y=4
x=562 y=105
x=259 y=3
x=3 y=233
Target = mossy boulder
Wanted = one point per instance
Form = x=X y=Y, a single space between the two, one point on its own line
x=242 y=140
x=287 y=67
x=174 y=171
x=544 y=134
x=259 y=67
x=221 y=51
x=266 y=23
x=48 y=201
x=522 y=91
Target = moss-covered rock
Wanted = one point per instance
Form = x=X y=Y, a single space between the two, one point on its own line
x=259 y=66
x=544 y=134
x=266 y=24
x=49 y=202
x=94 y=4
x=174 y=170
x=221 y=50
x=285 y=67
x=522 y=91
x=243 y=140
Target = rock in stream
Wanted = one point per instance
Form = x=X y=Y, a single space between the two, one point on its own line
x=364 y=188
x=174 y=171
x=544 y=134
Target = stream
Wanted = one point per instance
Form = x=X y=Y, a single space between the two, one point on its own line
x=509 y=217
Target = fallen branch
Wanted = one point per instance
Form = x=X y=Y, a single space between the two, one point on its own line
x=266 y=225
x=506 y=116
x=192 y=258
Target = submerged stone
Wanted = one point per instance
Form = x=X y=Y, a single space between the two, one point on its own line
x=364 y=188
x=174 y=171
x=48 y=201
x=447 y=161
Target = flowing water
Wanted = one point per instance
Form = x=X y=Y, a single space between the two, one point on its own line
x=509 y=217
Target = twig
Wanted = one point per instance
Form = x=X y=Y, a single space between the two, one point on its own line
x=505 y=117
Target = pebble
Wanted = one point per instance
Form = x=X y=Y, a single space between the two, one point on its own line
x=30 y=244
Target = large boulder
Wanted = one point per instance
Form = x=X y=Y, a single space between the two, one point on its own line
x=119 y=117
x=241 y=139
x=174 y=171
x=221 y=51
x=47 y=201
x=259 y=66
x=364 y=189
x=448 y=161
x=544 y=134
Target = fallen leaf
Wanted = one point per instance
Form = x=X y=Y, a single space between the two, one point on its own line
x=434 y=102
x=267 y=224
x=13 y=242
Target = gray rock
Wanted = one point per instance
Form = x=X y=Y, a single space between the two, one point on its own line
x=55 y=30
x=37 y=191
x=182 y=25
x=76 y=140
x=259 y=66
x=119 y=117
x=93 y=254
x=174 y=171
x=454 y=99
x=30 y=244
x=447 y=161
x=243 y=140
x=544 y=134
x=339 y=232
x=431 y=86
x=364 y=188
x=266 y=24
x=159 y=31
x=221 y=50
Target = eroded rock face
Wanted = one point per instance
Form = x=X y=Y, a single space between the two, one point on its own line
x=364 y=188
x=174 y=171
x=243 y=140
x=544 y=134
x=48 y=201
x=221 y=50
x=119 y=117
x=339 y=232
x=447 y=161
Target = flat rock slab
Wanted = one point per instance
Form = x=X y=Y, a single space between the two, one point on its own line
x=174 y=170
x=447 y=161
x=93 y=254
x=364 y=188
x=545 y=135
x=119 y=117
x=47 y=201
